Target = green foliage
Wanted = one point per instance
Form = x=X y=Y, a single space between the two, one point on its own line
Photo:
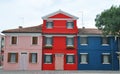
x=109 y=21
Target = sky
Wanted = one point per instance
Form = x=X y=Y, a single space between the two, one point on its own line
x=14 y=13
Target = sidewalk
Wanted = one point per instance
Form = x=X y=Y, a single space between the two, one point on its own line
x=59 y=72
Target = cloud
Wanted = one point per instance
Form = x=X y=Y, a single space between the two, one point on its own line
x=29 y=12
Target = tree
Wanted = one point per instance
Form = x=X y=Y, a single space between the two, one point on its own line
x=109 y=21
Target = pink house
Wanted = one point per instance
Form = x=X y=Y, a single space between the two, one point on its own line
x=23 y=49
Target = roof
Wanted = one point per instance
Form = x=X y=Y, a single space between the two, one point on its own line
x=57 y=12
x=34 y=29
x=38 y=29
x=89 y=31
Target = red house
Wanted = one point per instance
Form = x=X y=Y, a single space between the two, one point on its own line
x=60 y=41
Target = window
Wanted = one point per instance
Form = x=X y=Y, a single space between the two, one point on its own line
x=2 y=42
x=70 y=25
x=83 y=58
x=14 y=40
x=13 y=57
x=70 y=41
x=106 y=58
x=83 y=41
x=105 y=40
x=33 y=57
x=49 y=25
x=34 y=40
x=48 y=41
x=70 y=59
x=48 y=58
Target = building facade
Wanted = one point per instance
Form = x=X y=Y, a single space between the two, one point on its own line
x=23 y=49
x=95 y=51
x=1 y=49
x=59 y=41
x=58 y=44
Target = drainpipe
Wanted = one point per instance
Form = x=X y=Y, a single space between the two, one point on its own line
x=118 y=51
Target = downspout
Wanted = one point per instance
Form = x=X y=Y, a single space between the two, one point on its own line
x=118 y=46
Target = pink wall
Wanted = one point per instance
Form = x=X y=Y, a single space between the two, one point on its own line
x=24 y=45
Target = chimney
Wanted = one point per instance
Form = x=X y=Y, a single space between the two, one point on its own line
x=83 y=27
x=20 y=27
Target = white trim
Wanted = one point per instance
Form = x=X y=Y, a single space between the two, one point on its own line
x=93 y=35
x=70 y=63
x=47 y=35
x=83 y=44
x=105 y=63
x=105 y=53
x=83 y=62
x=83 y=36
x=70 y=54
x=47 y=53
x=51 y=19
x=57 y=12
x=84 y=53
x=105 y=44
x=23 y=34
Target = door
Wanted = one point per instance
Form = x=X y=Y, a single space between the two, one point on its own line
x=59 y=61
x=23 y=61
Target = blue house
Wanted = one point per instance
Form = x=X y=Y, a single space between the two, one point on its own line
x=96 y=52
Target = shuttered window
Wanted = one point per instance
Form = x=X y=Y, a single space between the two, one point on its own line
x=34 y=40
x=33 y=57
x=14 y=40
x=13 y=57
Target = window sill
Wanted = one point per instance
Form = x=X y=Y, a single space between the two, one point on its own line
x=70 y=63
x=84 y=44
x=33 y=62
x=47 y=63
x=105 y=44
x=83 y=63
x=105 y=63
x=12 y=62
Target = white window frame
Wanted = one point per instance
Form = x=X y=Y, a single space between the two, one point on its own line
x=50 y=55
x=107 y=44
x=47 y=24
x=46 y=40
x=68 y=55
x=83 y=44
x=105 y=54
x=81 y=62
x=72 y=40
x=72 y=25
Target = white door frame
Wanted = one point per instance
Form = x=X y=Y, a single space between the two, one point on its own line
x=59 y=62
x=23 y=61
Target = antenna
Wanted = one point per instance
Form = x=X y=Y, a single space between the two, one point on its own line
x=82 y=19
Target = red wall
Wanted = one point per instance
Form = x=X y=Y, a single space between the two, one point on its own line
x=59 y=46
x=59 y=27
x=59 y=42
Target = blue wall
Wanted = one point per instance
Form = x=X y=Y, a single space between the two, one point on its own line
x=95 y=50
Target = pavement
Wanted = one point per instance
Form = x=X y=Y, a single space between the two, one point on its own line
x=59 y=72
